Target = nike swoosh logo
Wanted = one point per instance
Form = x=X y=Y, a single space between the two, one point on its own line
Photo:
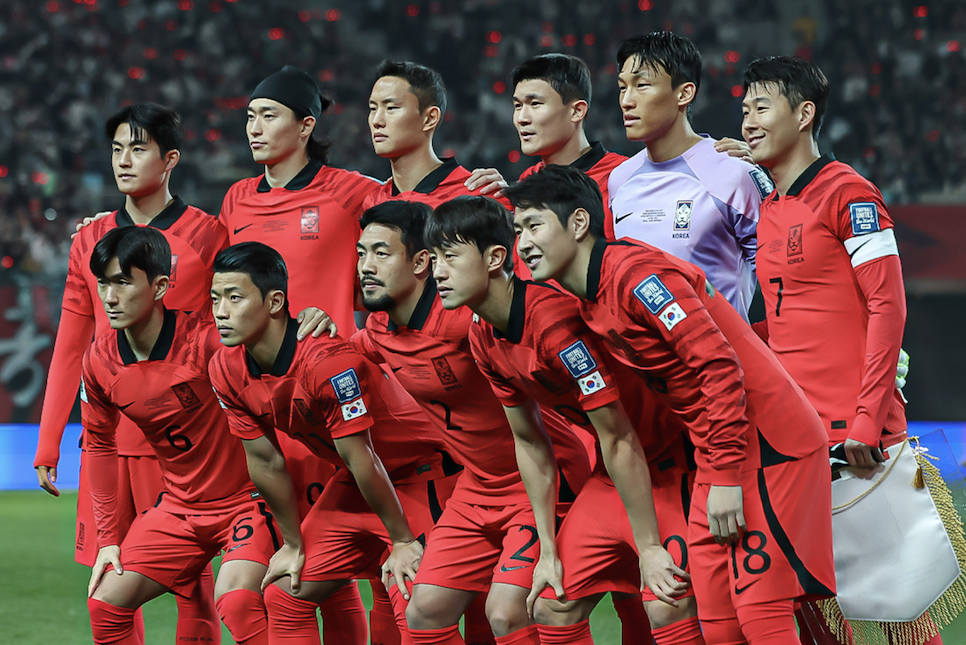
x=239 y=230
x=859 y=247
x=758 y=248
x=619 y=218
x=125 y=407
x=230 y=549
x=505 y=568
x=395 y=369
x=741 y=590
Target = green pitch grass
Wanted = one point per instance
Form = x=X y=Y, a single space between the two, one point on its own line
x=43 y=591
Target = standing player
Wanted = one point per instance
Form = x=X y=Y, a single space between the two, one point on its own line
x=829 y=265
x=486 y=539
x=533 y=346
x=154 y=369
x=325 y=395
x=145 y=141
x=679 y=194
x=309 y=211
x=755 y=543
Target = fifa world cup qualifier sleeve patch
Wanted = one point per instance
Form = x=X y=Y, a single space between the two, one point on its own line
x=865 y=217
x=582 y=366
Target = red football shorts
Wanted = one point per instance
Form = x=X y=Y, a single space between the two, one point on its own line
x=345 y=539
x=139 y=483
x=474 y=545
x=786 y=551
x=173 y=550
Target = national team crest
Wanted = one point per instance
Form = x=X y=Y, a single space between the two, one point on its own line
x=186 y=396
x=310 y=219
x=444 y=371
x=682 y=215
x=795 y=240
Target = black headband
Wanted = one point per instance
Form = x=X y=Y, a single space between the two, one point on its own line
x=294 y=89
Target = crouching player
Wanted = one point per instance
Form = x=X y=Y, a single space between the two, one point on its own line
x=531 y=343
x=154 y=369
x=755 y=542
x=346 y=411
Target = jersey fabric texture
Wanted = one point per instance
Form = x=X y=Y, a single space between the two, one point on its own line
x=835 y=300
x=440 y=185
x=701 y=207
x=313 y=222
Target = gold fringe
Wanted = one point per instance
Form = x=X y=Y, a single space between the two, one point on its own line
x=944 y=610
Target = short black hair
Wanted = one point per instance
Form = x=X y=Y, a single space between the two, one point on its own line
x=563 y=190
x=425 y=83
x=796 y=79
x=149 y=122
x=263 y=264
x=138 y=247
x=567 y=75
x=666 y=50
x=472 y=219
x=409 y=218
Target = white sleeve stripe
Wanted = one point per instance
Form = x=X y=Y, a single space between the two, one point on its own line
x=865 y=248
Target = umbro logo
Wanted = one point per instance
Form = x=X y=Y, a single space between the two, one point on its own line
x=241 y=228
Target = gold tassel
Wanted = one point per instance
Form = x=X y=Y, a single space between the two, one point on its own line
x=942 y=612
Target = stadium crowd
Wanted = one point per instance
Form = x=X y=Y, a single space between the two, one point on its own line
x=66 y=64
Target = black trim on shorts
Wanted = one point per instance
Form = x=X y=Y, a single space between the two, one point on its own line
x=450 y=467
x=435 y=508
x=770 y=456
x=270 y=522
x=686 y=496
x=809 y=583
x=566 y=494
x=689 y=451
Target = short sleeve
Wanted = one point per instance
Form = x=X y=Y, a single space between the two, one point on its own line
x=340 y=389
x=508 y=395
x=581 y=357
x=241 y=423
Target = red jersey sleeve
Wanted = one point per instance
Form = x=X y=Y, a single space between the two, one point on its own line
x=338 y=384
x=667 y=303
x=508 y=395
x=240 y=422
x=100 y=418
x=581 y=356
x=362 y=342
x=77 y=295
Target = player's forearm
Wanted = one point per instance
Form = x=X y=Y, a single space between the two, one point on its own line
x=378 y=491
x=74 y=335
x=538 y=470
x=271 y=478
x=881 y=282
x=627 y=466
x=101 y=468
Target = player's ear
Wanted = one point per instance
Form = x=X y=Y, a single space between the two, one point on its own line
x=686 y=93
x=171 y=159
x=580 y=224
x=160 y=285
x=421 y=262
x=431 y=118
x=578 y=111
x=307 y=127
x=494 y=257
x=276 y=301
x=806 y=115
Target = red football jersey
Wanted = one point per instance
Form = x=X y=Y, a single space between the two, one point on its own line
x=812 y=241
x=195 y=238
x=596 y=163
x=319 y=390
x=550 y=355
x=313 y=222
x=169 y=397
x=661 y=316
x=431 y=357
x=441 y=185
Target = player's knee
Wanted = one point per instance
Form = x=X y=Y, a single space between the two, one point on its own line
x=110 y=623
x=662 y=614
x=560 y=614
x=506 y=618
x=423 y=613
x=243 y=612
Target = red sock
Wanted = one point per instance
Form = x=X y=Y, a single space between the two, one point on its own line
x=635 y=626
x=578 y=634
x=244 y=614
x=399 y=605
x=382 y=622
x=526 y=636
x=139 y=626
x=768 y=623
x=683 y=632
x=445 y=636
x=111 y=624
x=197 y=615
x=344 y=618
x=290 y=620
x=723 y=631
x=476 y=628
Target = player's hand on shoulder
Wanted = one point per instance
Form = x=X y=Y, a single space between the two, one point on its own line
x=548 y=572
x=87 y=221
x=313 y=320
x=735 y=148
x=287 y=561
x=726 y=517
x=402 y=563
x=108 y=555
x=659 y=574
x=47 y=475
x=862 y=455
x=488 y=181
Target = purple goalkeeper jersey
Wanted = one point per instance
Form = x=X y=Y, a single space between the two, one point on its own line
x=701 y=207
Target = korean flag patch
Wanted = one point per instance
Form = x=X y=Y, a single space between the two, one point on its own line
x=865 y=217
x=346 y=386
x=578 y=360
x=672 y=315
x=591 y=383
x=652 y=292
x=353 y=410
